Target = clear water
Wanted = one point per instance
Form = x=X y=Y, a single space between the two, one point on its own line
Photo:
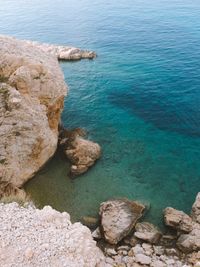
x=140 y=99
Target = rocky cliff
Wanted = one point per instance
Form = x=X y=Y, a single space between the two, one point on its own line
x=32 y=91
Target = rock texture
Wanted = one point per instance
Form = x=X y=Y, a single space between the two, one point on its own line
x=178 y=220
x=32 y=91
x=196 y=209
x=63 y=52
x=147 y=232
x=81 y=153
x=190 y=242
x=32 y=238
x=118 y=217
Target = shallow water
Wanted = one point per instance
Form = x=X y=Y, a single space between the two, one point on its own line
x=140 y=99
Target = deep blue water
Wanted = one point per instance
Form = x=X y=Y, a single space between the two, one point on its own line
x=140 y=99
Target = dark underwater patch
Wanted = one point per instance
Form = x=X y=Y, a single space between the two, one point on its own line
x=159 y=111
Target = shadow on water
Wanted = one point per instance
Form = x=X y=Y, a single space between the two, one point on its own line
x=160 y=112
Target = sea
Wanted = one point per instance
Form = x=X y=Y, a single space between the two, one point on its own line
x=139 y=99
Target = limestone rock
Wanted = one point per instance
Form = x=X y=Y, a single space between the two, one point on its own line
x=63 y=52
x=143 y=259
x=191 y=241
x=32 y=91
x=147 y=232
x=196 y=209
x=32 y=237
x=82 y=154
x=177 y=219
x=118 y=217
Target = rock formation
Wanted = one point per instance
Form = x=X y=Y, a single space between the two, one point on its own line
x=38 y=238
x=63 y=52
x=147 y=232
x=81 y=153
x=118 y=217
x=177 y=219
x=32 y=91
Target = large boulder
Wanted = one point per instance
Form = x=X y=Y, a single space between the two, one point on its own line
x=32 y=91
x=81 y=153
x=177 y=219
x=195 y=214
x=191 y=241
x=147 y=232
x=118 y=217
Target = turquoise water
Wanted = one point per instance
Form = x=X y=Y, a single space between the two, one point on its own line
x=140 y=99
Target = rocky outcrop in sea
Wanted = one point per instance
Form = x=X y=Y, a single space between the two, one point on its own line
x=81 y=153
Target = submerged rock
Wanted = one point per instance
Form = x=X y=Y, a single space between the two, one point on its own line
x=118 y=217
x=147 y=232
x=178 y=220
x=32 y=91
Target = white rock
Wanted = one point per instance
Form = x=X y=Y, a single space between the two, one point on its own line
x=143 y=259
x=38 y=243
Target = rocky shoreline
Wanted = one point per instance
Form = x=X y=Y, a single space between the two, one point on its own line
x=32 y=237
x=32 y=91
x=128 y=241
x=66 y=53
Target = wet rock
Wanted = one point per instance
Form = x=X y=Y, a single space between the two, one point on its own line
x=118 y=217
x=81 y=153
x=178 y=220
x=196 y=209
x=147 y=232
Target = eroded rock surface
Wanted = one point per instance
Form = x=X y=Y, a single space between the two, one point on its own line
x=118 y=217
x=178 y=220
x=82 y=153
x=191 y=241
x=147 y=232
x=32 y=91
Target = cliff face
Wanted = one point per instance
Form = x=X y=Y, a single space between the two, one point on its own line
x=32 y=91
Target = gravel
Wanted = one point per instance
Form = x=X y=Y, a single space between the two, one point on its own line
x=33 y=237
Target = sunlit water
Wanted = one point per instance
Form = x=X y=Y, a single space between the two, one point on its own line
x=140 y=99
